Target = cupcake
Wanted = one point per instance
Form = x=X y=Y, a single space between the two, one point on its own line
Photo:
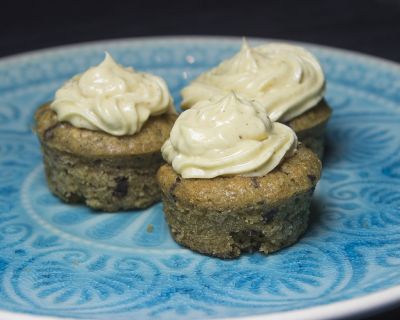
x=286 y=80
x=102 y=134
x=234 y=181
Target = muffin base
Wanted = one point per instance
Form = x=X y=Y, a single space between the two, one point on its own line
x=105 y=172
x=249 y=214
x=310 y=127
x=99 y=183
x=256 y=228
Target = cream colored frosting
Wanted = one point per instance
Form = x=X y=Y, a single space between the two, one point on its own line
x=286 y=80
x=230 y=136
x=111 y=98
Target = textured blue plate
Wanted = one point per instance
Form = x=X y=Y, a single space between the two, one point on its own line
x=62 y=260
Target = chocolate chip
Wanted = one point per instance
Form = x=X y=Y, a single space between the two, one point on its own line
x=254 y=182
x=173 y=187
x=49 y=132
x=248 y=240
x=254 y=247
x=311 y=191
x=311 y=177
x=75 y=198
x=121 y=189
x=268 y=215
x=253 y=233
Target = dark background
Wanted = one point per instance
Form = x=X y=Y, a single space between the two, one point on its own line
x=368 y=26
x=371 y=27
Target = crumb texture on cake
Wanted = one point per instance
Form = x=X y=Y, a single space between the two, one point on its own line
x=100 y=184
x=63 y=136
x=226 y=216
x=310 y=127
x=105 y=172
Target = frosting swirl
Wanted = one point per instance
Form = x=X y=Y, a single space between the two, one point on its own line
x=111 y=98
x=286 y=80
x=230 y=136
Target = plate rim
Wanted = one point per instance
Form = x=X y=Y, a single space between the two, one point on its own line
x=368 y=58
x=378 y=301
x=373 y=302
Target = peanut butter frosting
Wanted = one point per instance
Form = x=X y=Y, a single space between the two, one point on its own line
x=285 y=79
x=111 y=98
x=228 y=136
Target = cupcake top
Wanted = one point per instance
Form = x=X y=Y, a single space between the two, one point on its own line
x=286 y=80
x=111 y=98
x=229 y=136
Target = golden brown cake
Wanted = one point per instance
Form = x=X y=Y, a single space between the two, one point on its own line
x=103 y=171
x=234 y=181
x=226 y=216
x=102 y=134
x=310 y=127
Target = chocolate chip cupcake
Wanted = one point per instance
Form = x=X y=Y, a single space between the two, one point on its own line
x=286 y=80
x=235 y=182
x=101 y=137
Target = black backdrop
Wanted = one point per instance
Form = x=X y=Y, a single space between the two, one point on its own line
x=371 y=27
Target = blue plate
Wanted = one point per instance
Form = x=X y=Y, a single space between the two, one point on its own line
x=66 y=261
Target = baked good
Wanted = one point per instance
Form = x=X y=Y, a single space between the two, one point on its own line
x=285 y=79
x=310 y=127
x=235 y=182
x=101 y=137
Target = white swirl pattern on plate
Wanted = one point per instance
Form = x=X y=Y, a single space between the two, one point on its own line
x=57 y=259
